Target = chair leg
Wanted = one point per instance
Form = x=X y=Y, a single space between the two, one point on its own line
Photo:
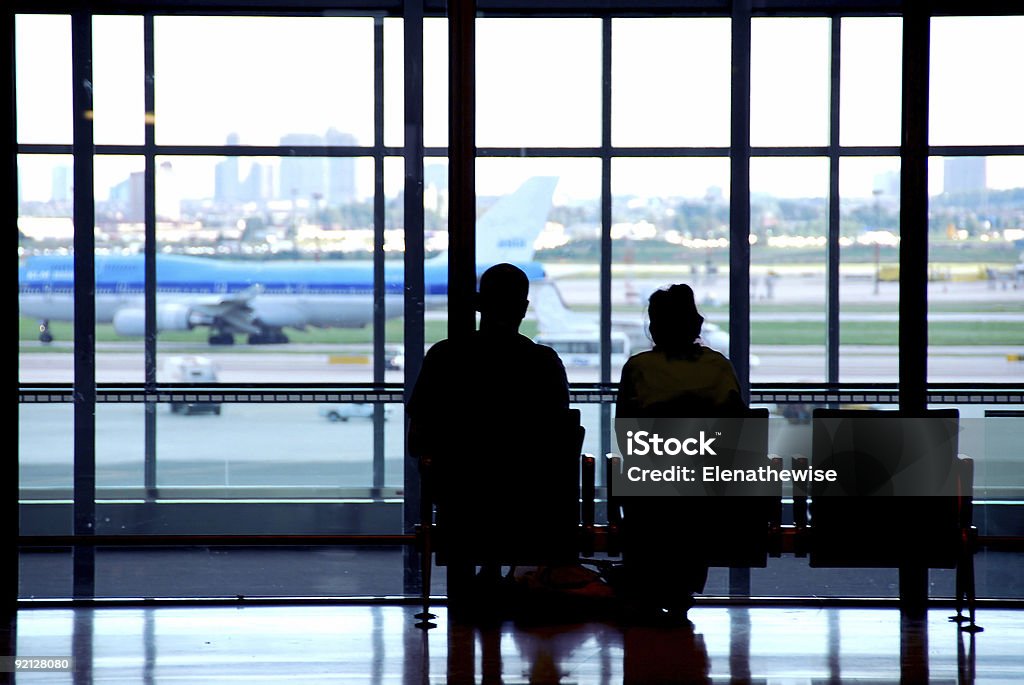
x=965 y=597
x=425 y=571
x=971 y=627
x=961 y=589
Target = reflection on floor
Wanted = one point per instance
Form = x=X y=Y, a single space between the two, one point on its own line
x=380 y=644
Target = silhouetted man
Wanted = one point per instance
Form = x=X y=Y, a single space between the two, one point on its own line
x=478 y=399
x=496 y=370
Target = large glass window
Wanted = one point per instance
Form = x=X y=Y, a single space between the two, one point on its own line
x=975 y=269
x=971 y=100
x=870 y=80
x=788 y=281
x=278 y=179
x=789 y=81
x=546 y=96
x=265 y=80
x=670 y=224
x=43 y=62
x=670 y=82
x=869 y=235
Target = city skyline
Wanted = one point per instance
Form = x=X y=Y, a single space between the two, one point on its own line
x=548 y=95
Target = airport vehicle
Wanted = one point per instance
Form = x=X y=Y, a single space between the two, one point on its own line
x=584 y=348
x=263 y=298
x=190 y=369
x=349 y=410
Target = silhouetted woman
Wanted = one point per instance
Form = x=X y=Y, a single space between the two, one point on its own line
x=680 y=376
x=663 y=549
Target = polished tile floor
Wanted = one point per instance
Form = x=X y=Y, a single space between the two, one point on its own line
x=380 y=644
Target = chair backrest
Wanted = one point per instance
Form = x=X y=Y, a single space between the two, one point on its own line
x=869 y=526
x=719 y=530
x=507 y=490
x=737 y=528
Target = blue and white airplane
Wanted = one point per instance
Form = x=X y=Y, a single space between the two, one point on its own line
x=262 y=298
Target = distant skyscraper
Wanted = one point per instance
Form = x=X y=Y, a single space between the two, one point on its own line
x=435 y=190
x=963 y=175
x=168 y=194
x=888 y=182
x=225 y=183
x=302 y=177
x=121 y=198
x=61 y=183
x=258 y=186
x=341 y=171
x=136 y=192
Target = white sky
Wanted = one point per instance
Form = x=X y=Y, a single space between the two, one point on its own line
x=538 y=84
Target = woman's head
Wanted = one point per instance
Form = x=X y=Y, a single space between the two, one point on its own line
x=675 y=322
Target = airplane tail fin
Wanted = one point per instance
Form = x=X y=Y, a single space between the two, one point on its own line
x=507 y=232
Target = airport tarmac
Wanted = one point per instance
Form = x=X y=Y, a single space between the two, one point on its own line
x=281 y=445
x=341 y=365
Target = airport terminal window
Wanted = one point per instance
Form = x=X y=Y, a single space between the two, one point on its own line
x=550 y=94
x=43 y=72
x=976 y=245
x=869 y=83
x=869 y=205
x=670 y=224
x=118 y=78
x=264 y=80
x=547 y=210
x=435 y=80
x=971 y=101
x=685 y=104
x=215 y=207
x=789 y=225
x=257 y=116
x=975 y=268
x=789 y=81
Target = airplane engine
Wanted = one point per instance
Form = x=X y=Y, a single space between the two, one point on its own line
x=169 y=317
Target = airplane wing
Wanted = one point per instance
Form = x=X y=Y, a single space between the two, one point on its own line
x=234 y=312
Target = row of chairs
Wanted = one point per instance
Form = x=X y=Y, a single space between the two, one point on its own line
x=493 y=499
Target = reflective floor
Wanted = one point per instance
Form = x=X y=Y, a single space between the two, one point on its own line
x=380 y=644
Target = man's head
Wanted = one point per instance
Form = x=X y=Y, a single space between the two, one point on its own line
x=502 y=296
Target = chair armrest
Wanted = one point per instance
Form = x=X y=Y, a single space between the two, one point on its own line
x=775 y=515
x=588 y=496
x=613 y=464
x=965 y=490
x=800 y=494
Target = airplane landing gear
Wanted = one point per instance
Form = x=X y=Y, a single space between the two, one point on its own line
x=45 y=336
x=222 y=339
x=268 y=336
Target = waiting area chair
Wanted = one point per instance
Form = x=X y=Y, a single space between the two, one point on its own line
x=869 y=519
x=504 y=493
x=671 y=541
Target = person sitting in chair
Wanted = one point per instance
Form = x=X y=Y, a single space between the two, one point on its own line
x=680 y=378
x=488 y=388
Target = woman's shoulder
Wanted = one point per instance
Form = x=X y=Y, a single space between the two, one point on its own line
x=645 y=358
x=710 y=355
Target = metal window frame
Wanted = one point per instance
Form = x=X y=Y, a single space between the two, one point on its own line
x=913 y=390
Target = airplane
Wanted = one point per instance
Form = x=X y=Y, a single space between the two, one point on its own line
x=555 y=320
x=261 y=299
